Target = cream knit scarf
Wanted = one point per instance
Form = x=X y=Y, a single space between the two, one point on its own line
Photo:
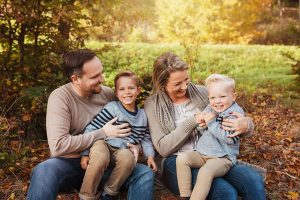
x=164 y=109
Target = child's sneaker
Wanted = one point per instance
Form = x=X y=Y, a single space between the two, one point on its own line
x=105 y=196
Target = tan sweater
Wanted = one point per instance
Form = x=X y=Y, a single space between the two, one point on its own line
x=67 y=116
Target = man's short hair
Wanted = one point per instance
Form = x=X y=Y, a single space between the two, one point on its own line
x=73 y=61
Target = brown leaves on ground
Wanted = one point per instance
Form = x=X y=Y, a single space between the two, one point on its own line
x=14 y=179
x=275 y=146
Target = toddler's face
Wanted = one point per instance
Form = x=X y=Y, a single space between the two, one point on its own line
x=127 y=91
x=220 y=96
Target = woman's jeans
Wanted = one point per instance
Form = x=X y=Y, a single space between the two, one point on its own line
x=239 y=181
x=61 y=174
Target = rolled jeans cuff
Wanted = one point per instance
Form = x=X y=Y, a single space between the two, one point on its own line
x=84 y=197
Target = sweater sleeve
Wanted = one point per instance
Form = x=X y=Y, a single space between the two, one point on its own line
x=167 y=143
x=147 y=145
x=250 y=129
x=58 y=120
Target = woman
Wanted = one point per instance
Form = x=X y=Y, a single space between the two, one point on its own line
x=171 y=114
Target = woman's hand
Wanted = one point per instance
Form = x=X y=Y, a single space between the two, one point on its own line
x=84 y=162
x=151 y=163
x=239 y=125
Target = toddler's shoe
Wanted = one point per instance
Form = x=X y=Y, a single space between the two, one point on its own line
x=105 y=196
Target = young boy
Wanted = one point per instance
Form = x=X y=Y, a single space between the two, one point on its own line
x=216 y=150
x=114 y=151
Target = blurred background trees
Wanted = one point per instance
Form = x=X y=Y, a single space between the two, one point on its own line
x=35 y=33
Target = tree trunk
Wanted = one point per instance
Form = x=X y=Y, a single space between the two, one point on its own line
x=10 y=45
x=64 y=28
x=37 y=29
x=299 y=9
x=10 y=36
x=21 y=41
x=280 y=9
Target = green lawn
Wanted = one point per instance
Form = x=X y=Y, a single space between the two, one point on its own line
x=254 y=67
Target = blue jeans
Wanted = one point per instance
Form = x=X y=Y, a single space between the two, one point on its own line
x=61 y=174
x=239 y=181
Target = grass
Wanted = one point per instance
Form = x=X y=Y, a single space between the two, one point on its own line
x=256 y=68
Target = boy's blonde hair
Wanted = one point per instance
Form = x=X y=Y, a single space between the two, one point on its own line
x=214 y=78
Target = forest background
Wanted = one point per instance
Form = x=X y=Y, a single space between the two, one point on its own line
x=255 y=42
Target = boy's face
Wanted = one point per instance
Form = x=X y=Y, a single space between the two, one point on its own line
x=220 y=96
x=127 y=91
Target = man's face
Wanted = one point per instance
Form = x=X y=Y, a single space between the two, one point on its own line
x=92 y=77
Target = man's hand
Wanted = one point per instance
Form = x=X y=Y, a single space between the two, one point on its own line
x=135 y=150
x=151 y=163
x=121 y=130
x=84 y=162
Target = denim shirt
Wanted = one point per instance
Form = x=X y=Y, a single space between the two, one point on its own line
x=214 y=140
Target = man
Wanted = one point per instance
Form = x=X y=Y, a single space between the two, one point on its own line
x=70 y=108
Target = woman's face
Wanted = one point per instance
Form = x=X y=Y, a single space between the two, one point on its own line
x=177 y=85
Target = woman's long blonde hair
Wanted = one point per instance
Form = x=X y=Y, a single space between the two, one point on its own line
x=163 y=66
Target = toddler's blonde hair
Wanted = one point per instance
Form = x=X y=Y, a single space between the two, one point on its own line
x=214 y=78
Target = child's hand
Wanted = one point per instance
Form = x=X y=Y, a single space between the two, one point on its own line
x=209 y=116
x=135 y=150
x=84 y=162
x=151 y=163
x=200 y=119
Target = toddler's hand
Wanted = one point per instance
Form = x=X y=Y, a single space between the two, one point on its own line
x=208 y=117
x=151 y=163
x=200 y=119
x=84 y=162
x=135 y=150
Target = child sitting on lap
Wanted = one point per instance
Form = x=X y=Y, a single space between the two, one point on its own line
x=217 y=149
x=113 y=151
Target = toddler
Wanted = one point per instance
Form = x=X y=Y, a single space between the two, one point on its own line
x=216 y=150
